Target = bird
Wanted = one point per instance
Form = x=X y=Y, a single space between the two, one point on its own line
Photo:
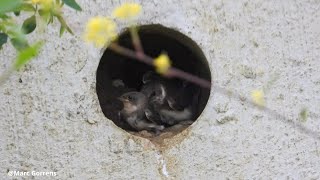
x=162 y=114
x=160 y=89
x=170 y=102
x=133 y=112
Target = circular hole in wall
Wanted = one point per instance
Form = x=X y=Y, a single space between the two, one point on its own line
x=118 y=74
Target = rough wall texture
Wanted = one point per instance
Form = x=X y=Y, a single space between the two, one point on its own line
x=51 y=121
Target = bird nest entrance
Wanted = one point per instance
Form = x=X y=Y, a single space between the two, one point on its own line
x=118 y=74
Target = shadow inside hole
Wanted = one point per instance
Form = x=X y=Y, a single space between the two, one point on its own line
x=183 y=52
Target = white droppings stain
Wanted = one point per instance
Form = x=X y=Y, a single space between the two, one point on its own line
x=162 y=164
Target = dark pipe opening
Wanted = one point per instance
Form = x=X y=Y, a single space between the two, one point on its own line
x=184 y=53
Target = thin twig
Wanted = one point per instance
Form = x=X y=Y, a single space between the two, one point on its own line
x=136 y=40
x=271 y=112
x=130 y=53
x=189 y=77
x=172 y=72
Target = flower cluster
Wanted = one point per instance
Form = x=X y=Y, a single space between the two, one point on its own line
x=127 y=11
x=258 y=97
x=162 y=63
x=101 y=31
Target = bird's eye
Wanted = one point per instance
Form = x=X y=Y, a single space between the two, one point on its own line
x=130 y=98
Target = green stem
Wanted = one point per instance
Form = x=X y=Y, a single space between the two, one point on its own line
x=136 y=40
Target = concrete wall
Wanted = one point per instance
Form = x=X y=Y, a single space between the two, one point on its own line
x=51 y=119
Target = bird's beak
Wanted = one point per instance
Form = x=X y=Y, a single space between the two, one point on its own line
x=122 y=99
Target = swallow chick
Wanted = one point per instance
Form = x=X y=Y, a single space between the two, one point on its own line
x=155 y=92
x=168 y=103
x=157 y=88
x=173 y=117
x=133 y=112
x=176 y=93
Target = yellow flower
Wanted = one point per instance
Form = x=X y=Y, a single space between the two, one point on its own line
x=162 y=63
x=101 y=31
x=258 y=97
x=127 y=11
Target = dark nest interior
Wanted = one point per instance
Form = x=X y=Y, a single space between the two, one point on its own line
x=184 y=53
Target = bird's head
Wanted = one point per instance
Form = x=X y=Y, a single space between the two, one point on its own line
x=132 y=101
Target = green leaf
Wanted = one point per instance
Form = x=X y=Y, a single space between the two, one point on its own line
x=73 y=4
x=46 y=15
x=26 y=7
x=62 y=30
x=4 y=16
x=43 y=13
x=64 y=24
x=3 y=39
x=17 y=13
x=19 y=43
x=27 y=54
x=29 y=25
x=9 y=5
x=50 y=19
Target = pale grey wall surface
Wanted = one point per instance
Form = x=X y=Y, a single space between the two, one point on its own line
x=52 y=120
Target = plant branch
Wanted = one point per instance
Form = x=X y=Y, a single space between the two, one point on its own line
x=136 y=40
x=172 y=72
x=271 y=112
